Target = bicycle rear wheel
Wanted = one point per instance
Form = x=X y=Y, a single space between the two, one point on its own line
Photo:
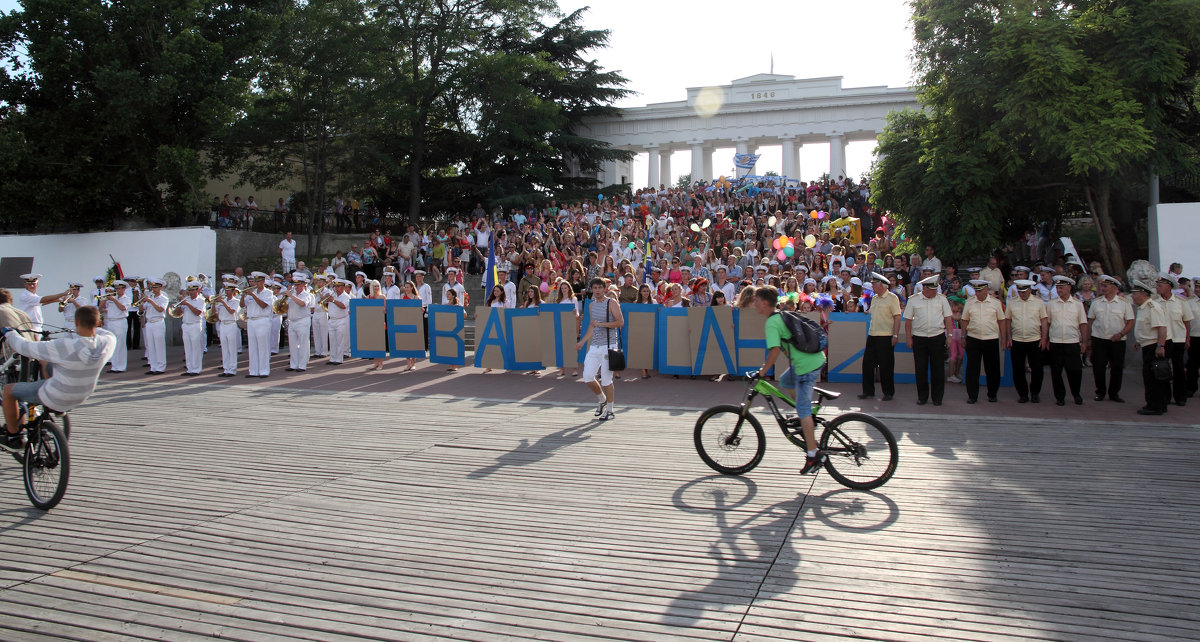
x=725 y=446
x=47 y=466
x=861 y=452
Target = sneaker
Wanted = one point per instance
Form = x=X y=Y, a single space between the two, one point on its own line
x=600 y=408
x=608 y=415
x=811 y=464
x=954 y=380
x=12 y=443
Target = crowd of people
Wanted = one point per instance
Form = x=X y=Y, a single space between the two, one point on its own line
x=819 y=247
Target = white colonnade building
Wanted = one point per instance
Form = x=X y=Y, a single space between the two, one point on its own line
x=761 y=110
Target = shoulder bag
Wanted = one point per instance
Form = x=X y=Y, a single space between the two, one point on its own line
x=616 y=358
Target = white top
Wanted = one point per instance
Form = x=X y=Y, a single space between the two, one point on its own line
x=1176 y=312
x=393 y=292
x=457 y=287
x=77 y=364
x=337 y=313
x=1065 y=319
x=31 y=304
x=510 y=294
x=225 y=315
x=197 y=302
x=928 y=315
x=148 y=310
x=112 y=312
x=300 y=312
x=426 y=294
x=1109 y=317
x=287 y=249
x=255 y=310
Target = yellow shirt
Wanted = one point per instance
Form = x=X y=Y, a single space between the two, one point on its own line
x=884 y=310
x=1149 y=316
x=1176 y=312
x=984 y=316
x=928 y=315
x=993 y=277
x=1194 y=302
x=1109 y=317
x=1065 y=319
x=1026 y=317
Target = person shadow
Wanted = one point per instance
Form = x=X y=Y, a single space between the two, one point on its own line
x=749 y=553
x=527 y=453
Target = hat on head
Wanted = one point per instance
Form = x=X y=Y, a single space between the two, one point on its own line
x=1045 y=268
x=1165 y=277
x=1063 y=280
x=451 y=270
x=98 y=278
x=846 y=268
x=228 y=277
x=31 y=276
x=980 y=283
x=855 y=281
x=319 y=277
x=773 y=262
x=418 y=272
x=927 y=268
x=133 y=279
x=1104 y=278
x=685 y=267
x=258 y=275
x=810 y=280
x=1023 y=268
x=760 y=267
x=191 y=286
x=875 y=276
x=974 y=269
x=1023 y=284
x=827 y=278
x=361 y=273
x=931 y=281
x=154 y=280
x=110 y=290
x=1142 y=286
x=802 y=268
x=299 y=278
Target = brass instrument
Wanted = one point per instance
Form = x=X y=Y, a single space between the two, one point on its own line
x=324 y=301
x=280 y=305
x=210 y=315
x=174 y=310
x=62 y=303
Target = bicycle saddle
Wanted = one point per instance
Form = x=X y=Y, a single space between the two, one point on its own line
x=828 y=394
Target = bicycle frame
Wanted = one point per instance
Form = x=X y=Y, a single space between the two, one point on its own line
x=769 y=393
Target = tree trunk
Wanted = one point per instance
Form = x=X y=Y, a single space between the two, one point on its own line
x=415 y=162
x=1099 y=193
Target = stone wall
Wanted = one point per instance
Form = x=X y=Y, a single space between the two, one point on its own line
x=238 y=247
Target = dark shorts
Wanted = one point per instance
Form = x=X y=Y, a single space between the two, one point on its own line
x=27 y=391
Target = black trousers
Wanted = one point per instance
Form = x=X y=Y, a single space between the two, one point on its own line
x=1065 y=356
x=1158 y=393
x=1109 y=354
x=1027 y=352
x=929 y=357
x=1193 y=364
x=878 y=353
x=1179 y=388
x=133 y=332
x=988 y=352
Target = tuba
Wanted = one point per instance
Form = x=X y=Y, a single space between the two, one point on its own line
x=280 y=305
x=210 y=315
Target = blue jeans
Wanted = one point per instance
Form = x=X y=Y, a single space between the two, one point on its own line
x=801 y=387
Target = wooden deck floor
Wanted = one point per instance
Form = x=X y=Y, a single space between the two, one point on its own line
x=254 y=514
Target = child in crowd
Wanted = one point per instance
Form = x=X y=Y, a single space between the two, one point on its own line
x=957 y=341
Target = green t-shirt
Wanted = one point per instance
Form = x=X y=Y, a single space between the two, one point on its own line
x=802 y=362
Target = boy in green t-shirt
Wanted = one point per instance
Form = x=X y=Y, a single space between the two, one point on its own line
x=799 y=378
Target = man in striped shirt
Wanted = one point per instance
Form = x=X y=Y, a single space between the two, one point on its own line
x=74 y=364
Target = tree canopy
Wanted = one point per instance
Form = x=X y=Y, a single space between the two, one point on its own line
x=116 y=110
x=1036 y=109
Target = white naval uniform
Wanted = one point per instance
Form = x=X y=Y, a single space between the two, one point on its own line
x=339 y=328
x=299 y=325
x=320 y=326
x=393 y=292
x=31 y=304
x=510 y=294
x=193 y=333
x=426 y=295
x=115 y=321
x=155 y=332
x=69 y=314
x=457 y=287
x=276 y=326
x=258 y=332
x=228 y=333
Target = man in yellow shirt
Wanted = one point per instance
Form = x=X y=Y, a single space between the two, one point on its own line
x=1179 y=330
x=1068 y=340
x=1111 y=317
x=882 y=335
x=1150 y=335
x=1027 y=326
x=985 y=324
x=927 y=324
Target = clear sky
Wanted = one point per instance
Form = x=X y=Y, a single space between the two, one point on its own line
x=665 y=47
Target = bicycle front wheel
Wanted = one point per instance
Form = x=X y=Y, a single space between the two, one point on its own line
x=861 y=452
x=47 y=466
x=727 y=443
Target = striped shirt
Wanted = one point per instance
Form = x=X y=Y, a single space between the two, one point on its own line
x=77 y=364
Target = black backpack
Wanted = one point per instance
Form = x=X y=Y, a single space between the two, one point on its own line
x=807 y=335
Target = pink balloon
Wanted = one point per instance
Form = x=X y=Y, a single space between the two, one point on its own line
x=821 y=214
x=775 y=244
x=544 y=287
x=780 y=255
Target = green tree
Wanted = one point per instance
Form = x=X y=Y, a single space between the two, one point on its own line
x=684 y=181
x=1034 y=109
x=107 y=105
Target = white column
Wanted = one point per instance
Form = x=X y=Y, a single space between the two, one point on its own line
x=837 y=156
x=664 y=161
x=697 y=161
x=611 y=172
x=789 y=157
x=652 y=165
x=708 y=171
x=742 y=144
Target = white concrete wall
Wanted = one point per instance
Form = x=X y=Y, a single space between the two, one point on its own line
x=1174 y=229
x=79 y=257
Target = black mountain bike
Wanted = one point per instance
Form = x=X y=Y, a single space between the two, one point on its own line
x=45 y=460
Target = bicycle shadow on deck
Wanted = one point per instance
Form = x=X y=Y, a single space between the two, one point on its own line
x=750 y=571
x=526 y=453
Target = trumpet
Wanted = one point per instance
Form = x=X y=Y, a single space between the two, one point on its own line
x=62 y=303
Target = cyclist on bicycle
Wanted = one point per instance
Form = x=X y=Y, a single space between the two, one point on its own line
x=74 y=364
x=799 y=378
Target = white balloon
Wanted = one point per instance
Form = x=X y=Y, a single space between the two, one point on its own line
x=771 y=222
x=707 y=222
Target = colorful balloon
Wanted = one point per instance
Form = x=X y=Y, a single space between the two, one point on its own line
x=789 y=251
x=821 y=214
x=771 y=221
x=544 y=287
x=705 y=224
x=776 y=244
x=810 y=241
x=693 y=227
x=780 y=255
x=600 y=197
x=632 y=245
x=813 y=213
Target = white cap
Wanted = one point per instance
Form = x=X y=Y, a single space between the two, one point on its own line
x=810 y=280
x=875 y=276
x=1143 y=286
x=74 y=284
x=418 y=272
x=931 y=281
x=451 y=270
x=98 y=278
x=1104 y=278
x=361 y=273
x=258 y=275
x=980 y=283
x=31 y=277
x=1063 y=280
x=855 y=281
x=299 y=278
x=154 y=280
x=1023 y=268
x=1024 y=284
